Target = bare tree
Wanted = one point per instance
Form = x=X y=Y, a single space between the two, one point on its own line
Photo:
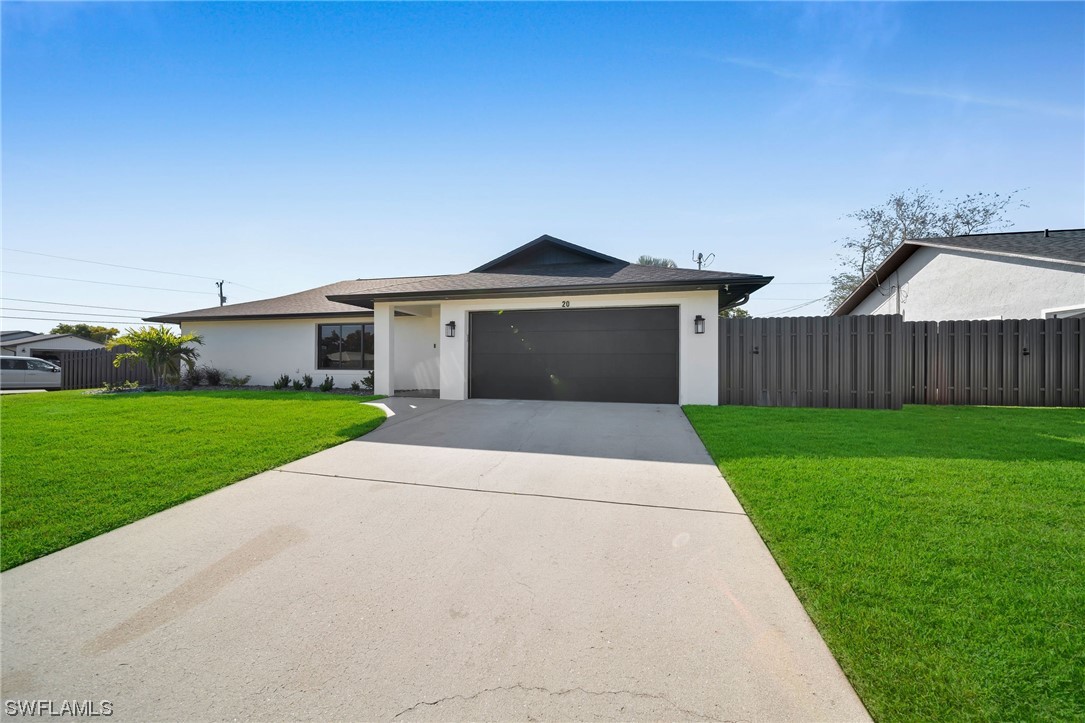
x=913 y=214
x=657 y=261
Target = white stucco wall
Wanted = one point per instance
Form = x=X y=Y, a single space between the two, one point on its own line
x=417 y=342
x=943 y=285
x=266 y=349
x=698 y=379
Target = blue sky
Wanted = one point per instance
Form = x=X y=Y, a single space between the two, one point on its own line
x=285 y=146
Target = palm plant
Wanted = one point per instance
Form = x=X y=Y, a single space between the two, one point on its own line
x=160 y=348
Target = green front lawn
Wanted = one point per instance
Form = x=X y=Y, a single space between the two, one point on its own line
x=939 y=550
x=73 y=466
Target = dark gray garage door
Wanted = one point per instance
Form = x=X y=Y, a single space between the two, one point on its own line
x=588 y=355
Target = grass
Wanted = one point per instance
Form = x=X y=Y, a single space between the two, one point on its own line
x=939 y=550
x=74 y=466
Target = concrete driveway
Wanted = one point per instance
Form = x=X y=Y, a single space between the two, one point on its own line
x=468 y=560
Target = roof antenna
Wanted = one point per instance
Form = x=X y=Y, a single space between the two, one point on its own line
x=222 y=299
x=702 y=260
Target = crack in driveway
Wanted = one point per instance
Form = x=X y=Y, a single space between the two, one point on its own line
x=563 y=692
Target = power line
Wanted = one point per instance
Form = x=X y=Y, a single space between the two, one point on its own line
x=799 y=306
x=47 y=318
x=85 y=306
x=122 y=266
x=69 y=313
x=103 y=263
x=110 y=283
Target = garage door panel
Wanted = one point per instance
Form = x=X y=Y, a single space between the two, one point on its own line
x=612 y=355
x=597 y=389
x=574 y=366
x=571 y=342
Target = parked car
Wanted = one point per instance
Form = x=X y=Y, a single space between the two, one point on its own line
x=27 y=372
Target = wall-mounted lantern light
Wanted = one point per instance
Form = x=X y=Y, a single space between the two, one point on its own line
x=450 y=329
x=698 y=324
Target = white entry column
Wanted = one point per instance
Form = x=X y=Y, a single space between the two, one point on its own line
x=384 y=315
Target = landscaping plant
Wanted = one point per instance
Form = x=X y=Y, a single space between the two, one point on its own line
x=192 y=378
x=213 y=376
x=161 y=349
x=282 y=382
x=327 y=384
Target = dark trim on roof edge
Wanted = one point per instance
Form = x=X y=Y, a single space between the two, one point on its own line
x=891 y=263
x=745 y=282
x=547 y=238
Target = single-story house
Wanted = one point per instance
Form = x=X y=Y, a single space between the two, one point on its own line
x=43 y=346
x=1021 y=275
x=548 y=320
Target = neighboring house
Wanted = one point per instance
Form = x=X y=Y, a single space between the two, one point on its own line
x=1022 y=275
x=6 y=337
x=43 y=346
x=549 y=320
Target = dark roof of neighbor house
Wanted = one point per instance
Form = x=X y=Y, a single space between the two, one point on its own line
x=6 y=336
x=1065 y=246
x=543 y=266
x=39 y=339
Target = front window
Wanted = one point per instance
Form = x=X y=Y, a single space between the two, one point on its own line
x=344 y=346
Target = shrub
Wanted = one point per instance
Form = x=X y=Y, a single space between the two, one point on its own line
x=193 y=376
x=213 y=376
x=355 y=386
x=327 y=384
x=282 y=382
x=298 y=385
x=307 y=381
x=367 y=381
x=238 y=381
x=160 y=348
x=125 y=386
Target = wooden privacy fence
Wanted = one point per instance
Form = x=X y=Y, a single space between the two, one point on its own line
x=93 y=367
x=882 y=362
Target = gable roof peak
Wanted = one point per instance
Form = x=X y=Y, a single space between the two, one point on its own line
x=547 y=250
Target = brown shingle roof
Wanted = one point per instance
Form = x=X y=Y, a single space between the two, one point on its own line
x=590 y=273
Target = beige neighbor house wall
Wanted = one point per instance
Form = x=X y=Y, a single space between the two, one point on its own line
x=698 y=380
x=266 y=349
x=51 y=346
x=944 y=285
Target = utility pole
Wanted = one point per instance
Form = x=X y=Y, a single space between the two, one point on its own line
x=702 y=260
x=222 y=299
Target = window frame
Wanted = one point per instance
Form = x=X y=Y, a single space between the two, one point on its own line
x=320 y=336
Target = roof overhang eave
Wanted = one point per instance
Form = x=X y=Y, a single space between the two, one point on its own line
x=891 y=263
x=170 y=319
x=729 y=288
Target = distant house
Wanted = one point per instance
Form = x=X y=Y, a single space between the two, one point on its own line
x=43 y=346
x=1024 y=275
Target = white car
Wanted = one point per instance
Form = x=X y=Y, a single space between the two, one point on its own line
x=27 y=372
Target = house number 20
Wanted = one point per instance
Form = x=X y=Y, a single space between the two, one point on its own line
x=565 y=304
